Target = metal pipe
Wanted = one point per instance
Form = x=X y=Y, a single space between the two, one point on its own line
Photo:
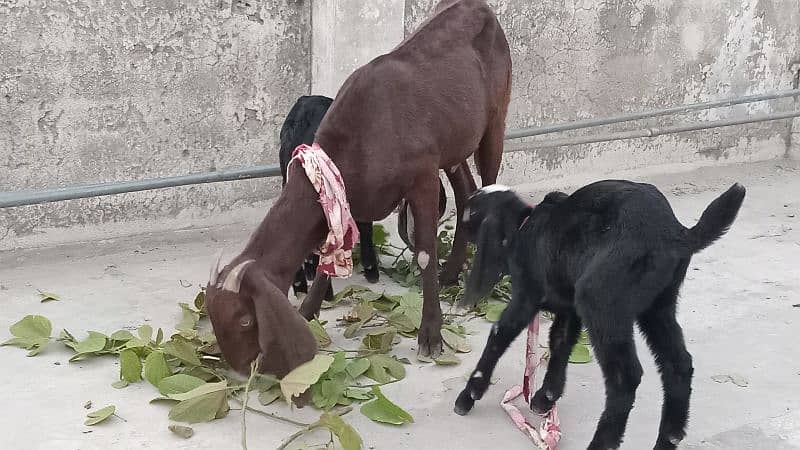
x=33 y=197
x=651 y=132
x=589 y=123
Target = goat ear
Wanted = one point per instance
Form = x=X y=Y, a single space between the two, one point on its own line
x=490 y=260
x=284 y=337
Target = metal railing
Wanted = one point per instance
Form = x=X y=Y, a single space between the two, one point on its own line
x=38 y=196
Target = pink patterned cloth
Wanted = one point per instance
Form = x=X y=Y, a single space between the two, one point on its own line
x=547 y=435
x=336 y=253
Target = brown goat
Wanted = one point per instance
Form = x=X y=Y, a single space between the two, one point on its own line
x=430 y=103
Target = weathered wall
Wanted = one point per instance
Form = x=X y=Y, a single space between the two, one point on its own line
x=95 y=91
x=576 y=59
x=127 y=89
x=348 y=34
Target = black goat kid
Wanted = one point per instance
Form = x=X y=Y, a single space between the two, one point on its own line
x=610 y=255
x=299 y=127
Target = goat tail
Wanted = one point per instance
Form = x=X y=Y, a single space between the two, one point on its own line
x=717 y=218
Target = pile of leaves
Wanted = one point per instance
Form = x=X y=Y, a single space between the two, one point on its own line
x=188 y=371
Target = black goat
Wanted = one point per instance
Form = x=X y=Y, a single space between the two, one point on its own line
x=609 y=255
x=299 y=127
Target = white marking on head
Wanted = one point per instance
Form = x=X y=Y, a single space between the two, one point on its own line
x=233 y=282
x=423 y=259
x=478 y=374
x=465 y=217
x=494 y=188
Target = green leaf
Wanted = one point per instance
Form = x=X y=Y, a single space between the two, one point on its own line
x=379 y=235
x=384 y=411
x=492 y=311
x=447 y=359
x=353 y=329
x=96 y=342
x=159 y=336
x=31 y=333
x=456 y=342
x=338 y=365
x=48 y=297
x=580 y=354
x=301 y=378
x=179 y=384
x=146 y=333
x=182 y=431
x=200 y=301
x=189 y=318
x=121 y=336
x=182 y=350
x=130 y=366
x=322 y=337
x=402 y=322
x=348 y=292
x=267 y=397
x=385 y=303
x=331 y=391
x=584 y=337
x=156 y=368
x=380 y=339
x=95 y=417
x=358 y=393
x=410 y=305
x=202 y=404
x=347 y=435
x=357 y=367
x=382 y=366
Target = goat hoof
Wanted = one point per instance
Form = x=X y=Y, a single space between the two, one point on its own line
x=372 y=274
x=541 y=403
x=464 y=403
x=429 y=342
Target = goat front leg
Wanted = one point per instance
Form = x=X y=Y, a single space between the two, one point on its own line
x=564 y=334
x=463 y=186
x=514 y=319
x=320 y=290
x=424 y=201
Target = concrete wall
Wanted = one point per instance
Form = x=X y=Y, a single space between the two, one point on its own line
x=95 y=91
x=128 y=89
x=576 y=59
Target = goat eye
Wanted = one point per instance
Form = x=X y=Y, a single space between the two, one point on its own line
x=245 y=321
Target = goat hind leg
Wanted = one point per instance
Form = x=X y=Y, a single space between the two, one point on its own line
x=368 y=258
x=616 y=353
x=300 y=285
x=463 y=185
x=665 y=338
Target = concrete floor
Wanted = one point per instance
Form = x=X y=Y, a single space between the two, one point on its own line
x=737 y=312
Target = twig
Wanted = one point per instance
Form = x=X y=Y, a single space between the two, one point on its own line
x=376 y=384
x=310 y=427
x=272 y=415
x=253 y=372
